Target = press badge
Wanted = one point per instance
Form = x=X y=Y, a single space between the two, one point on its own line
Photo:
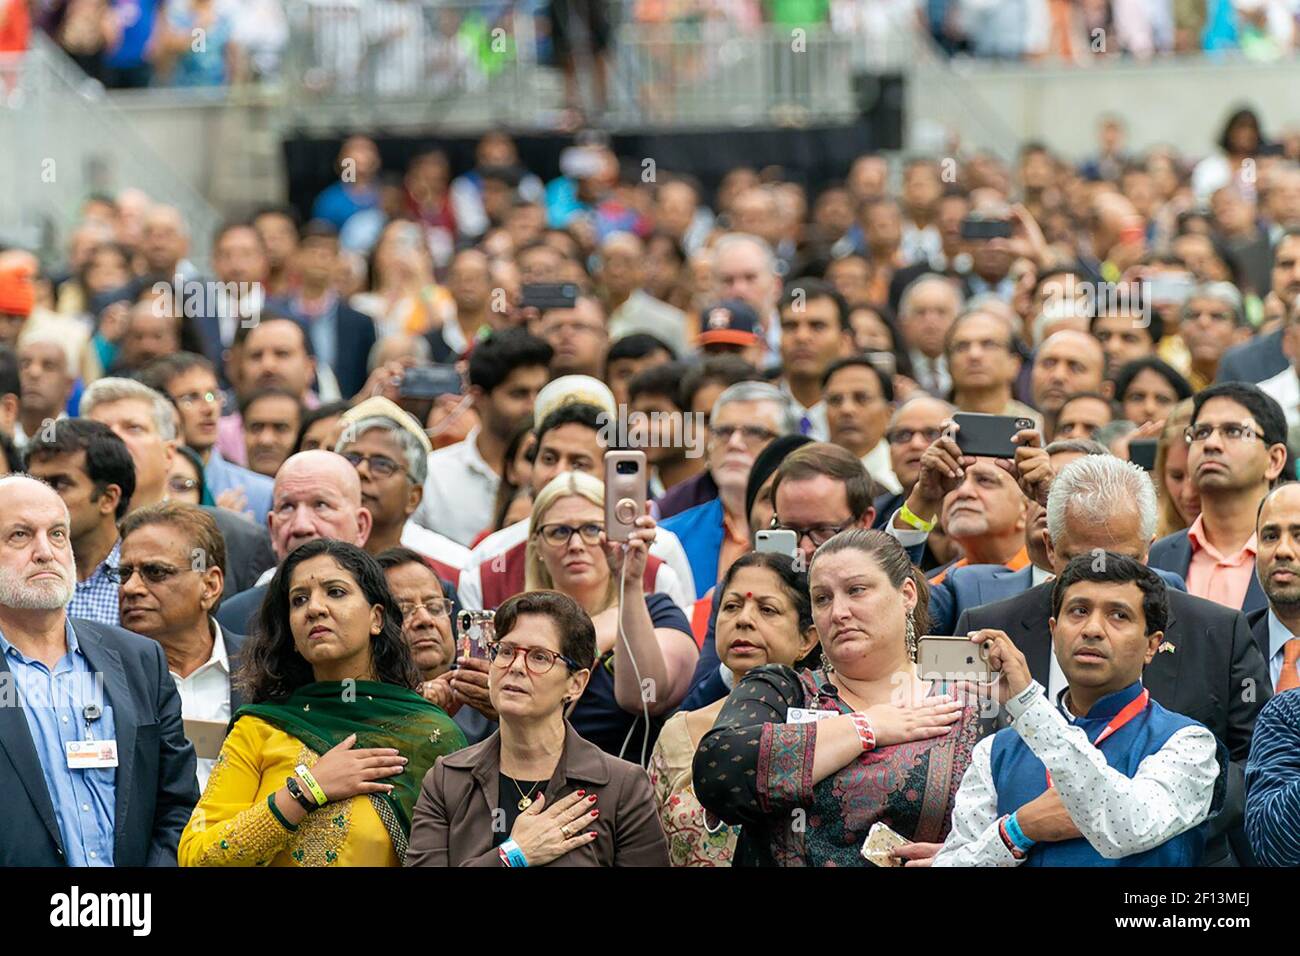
x=799 y=715
x=91 y=754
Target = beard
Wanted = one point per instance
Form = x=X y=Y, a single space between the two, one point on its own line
x=47 y=595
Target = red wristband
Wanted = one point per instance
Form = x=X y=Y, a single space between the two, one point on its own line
x=866 y=735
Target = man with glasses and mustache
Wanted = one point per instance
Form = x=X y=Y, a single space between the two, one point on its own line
x=745 y=417
x=429 y=610
x=1236 y=450
x=190 y=381
x=170 y=580
x=95 y=769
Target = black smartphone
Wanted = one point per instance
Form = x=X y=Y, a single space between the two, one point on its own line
x=544 y=296
x=1142 y=452
x=988 y=436
x=430 y=381
x=975 y=228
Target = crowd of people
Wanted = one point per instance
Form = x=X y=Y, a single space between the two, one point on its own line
x=306 y=561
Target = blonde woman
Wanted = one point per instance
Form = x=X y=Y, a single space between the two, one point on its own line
x=1179 y=502
x=645 y=652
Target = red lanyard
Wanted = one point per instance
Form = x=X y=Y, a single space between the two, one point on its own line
x=1134 y=707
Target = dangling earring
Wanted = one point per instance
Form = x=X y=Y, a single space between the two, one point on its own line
x=910 y=638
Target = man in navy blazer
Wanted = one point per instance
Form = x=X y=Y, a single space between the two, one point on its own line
x=1233 y=473
x=126 y=795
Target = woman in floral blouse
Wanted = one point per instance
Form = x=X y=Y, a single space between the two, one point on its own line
x=807 y=762
x=764 y=617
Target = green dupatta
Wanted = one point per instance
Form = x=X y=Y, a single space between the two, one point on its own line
x=323 y=714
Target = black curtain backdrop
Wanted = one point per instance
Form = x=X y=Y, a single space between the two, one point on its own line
x=812 y=157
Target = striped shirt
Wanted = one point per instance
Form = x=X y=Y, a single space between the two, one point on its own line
x=1273 y=782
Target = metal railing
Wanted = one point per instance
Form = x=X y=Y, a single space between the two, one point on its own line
x=64 y=140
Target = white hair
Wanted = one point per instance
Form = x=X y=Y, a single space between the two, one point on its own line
x=787 y=415
x=746 y=239
x=1096 y=488
x=930 y=278
x=106 y=391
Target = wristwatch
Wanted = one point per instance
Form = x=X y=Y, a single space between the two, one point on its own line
x=295 y=791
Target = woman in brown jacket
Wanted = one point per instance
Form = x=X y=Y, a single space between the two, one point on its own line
x=535 y=793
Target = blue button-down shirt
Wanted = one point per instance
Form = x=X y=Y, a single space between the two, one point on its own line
x=96 y=597
x=54 y=703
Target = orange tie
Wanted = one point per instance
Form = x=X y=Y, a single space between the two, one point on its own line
x=1290 y=678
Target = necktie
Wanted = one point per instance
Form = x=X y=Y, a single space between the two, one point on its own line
x=1290 y=678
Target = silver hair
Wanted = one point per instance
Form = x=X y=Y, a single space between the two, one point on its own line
x=1083 y=446
x=1096 y=488
x=905 y=300
x=417 y=460
x=1224 y=292
x=948 y=407
x=50 y=335
x=106 y=391
x=745 y=239
x=419 y=350
x=787 y=414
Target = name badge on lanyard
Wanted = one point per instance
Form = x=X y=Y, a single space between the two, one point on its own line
x=800 y=715
x=91 y=754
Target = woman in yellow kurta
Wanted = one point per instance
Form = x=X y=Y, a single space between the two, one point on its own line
x=324 y=767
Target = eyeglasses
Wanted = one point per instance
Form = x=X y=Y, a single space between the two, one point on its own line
x=904 y=436
x=208 y=398
x=752 y=434
x=538 y=660
x=1231 y=431
x=438 y=607
x=818 y=534
x=381 y=466
x=181 y=485
x=152 y=573
x=559 y=535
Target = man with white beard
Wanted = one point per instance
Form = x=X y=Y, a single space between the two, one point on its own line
x=95 y=769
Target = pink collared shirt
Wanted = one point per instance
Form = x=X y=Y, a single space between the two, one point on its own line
x=1224 y=579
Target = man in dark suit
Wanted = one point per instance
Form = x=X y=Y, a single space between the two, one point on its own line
x=1208 y=667
x=1277 y=566
x=95 y=769
x=341 y=336
x=248 y=550
x=1238 y=449
x=1262 y=357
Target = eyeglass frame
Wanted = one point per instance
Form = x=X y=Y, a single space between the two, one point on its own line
x=746 y=432
x=923 y=432
x=369 y=461
x=496 y=646
x=573 y=529
x=445 y=612
x=209 y=396
x=116 y=575
x=1246 y=427
x=807 y=530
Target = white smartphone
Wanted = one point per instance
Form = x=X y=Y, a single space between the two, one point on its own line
x=777 y=539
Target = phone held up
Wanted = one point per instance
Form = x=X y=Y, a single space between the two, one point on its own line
x=988 y=436
x=474 y=633
x=778 y=540
x=625 y=492
x=946 y=658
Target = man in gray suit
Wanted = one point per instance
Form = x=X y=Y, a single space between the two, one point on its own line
x=95 y=769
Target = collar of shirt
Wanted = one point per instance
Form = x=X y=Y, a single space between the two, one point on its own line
x=111 y=560
x=1278 y=634
x=470 y=454
x=1038 y=576
x=454 y=336
x=218 y=657
x=323 y=306
x=1201 y=542
x=880 y=466
x=7 y=648
x=730 y=532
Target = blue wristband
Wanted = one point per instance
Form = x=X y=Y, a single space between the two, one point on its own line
x=1022 y=842
x=514 y=855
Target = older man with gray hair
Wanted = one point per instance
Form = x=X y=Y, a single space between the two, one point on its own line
x=1208 y=668
x=929 y=305
x=745 y=418
x=1213 y=320
x=745 y=268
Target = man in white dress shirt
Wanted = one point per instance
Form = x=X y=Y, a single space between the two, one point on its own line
x=172 y=570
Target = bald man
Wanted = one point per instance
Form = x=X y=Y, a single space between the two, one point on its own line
x=114 y=687
x=1067 y=363
x=317 y=494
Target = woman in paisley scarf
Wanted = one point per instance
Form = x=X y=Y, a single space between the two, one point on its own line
x=764 y=617
x=323 y=768
x=807 y=762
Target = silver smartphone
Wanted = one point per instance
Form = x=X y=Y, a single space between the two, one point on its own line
x=777 y=539
x=944 y=658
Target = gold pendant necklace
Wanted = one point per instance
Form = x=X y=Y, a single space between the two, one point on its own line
x=525 y=799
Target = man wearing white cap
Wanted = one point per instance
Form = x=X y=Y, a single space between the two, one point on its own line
x=506 y=372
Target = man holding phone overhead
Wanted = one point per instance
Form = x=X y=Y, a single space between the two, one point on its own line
x=1103 y=776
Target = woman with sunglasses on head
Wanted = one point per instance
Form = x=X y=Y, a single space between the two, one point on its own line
x=323 y=768
x=535 y=793
x=644 y=647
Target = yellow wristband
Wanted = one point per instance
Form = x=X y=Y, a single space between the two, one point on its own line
x=920 y=524
x=302 y=771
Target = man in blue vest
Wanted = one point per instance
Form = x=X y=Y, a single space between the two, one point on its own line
x=1103 y=776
